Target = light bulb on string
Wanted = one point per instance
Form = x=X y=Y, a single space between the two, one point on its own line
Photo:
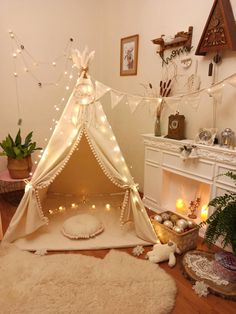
x=84 y=91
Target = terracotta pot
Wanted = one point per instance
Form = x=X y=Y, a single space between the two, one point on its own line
x=19 y=168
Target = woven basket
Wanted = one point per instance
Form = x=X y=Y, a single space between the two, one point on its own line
x=185 y=241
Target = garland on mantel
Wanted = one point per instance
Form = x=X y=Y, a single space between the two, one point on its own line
x=215 y=91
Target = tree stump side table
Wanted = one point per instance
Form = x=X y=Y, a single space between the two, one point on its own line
x=11 y=190
x=225 y=291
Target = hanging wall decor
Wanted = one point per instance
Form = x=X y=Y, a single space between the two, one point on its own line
x=183 y=39
x=219 y=32
x=129 y=55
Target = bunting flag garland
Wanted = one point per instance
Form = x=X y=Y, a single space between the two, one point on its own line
x=116 y=98
x=216 y=92
x=133 y=102
x=232 y=80
x=101 y=90
x=192 y=98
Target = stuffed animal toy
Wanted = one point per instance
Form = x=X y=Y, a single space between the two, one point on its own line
x=164 y=252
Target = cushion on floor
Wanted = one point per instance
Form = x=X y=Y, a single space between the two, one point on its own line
x=82 y=226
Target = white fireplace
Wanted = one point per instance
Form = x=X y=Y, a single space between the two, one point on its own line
x=170 y=179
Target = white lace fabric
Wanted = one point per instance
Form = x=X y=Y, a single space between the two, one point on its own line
x=203 y=268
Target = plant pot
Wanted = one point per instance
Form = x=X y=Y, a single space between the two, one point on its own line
x=19 y=168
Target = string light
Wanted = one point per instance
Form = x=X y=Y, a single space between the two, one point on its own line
x=74 y=205
x=108 y=207
x=61 y=208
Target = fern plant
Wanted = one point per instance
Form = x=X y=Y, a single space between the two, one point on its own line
x=17 y=149
x=222 y=223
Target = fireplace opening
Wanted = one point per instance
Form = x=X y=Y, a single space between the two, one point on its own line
x=179 y=191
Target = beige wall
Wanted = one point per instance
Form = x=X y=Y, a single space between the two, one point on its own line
x=150 y=19
x=44 y=26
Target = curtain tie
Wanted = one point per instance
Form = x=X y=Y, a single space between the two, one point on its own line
x=28 y=185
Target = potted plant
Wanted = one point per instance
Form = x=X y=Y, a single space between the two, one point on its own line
x=19 y=154
x=222 y=223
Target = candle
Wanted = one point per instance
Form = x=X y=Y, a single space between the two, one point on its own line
x=180 y=205
x=74 y=205
x=108 y=207
x=204 y=212
x=61 y=208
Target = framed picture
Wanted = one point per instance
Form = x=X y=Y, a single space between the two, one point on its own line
x=129 y=55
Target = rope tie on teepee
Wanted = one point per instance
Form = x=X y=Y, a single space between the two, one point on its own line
x=134 y=187
x=28 y=185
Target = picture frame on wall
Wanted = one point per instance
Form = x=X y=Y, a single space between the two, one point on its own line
x=129 y=55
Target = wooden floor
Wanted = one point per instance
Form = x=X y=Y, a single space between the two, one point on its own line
x=187 y=302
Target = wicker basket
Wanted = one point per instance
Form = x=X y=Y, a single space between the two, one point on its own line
x=185 y=241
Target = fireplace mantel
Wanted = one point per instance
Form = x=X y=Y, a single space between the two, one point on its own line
x=164 y=163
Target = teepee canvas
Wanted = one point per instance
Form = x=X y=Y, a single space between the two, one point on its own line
x=83 y=124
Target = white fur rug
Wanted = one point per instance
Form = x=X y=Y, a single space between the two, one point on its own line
x=78 y=284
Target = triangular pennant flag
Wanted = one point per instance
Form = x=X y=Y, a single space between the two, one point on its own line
x=216 y=92
x=116 y=97
x=133 y=102
x=232 y=80
x=192 y=100
x=101 y=89
x=170 y=101
x=220 y=29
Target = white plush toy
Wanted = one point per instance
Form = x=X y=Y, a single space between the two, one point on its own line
x=164 y=252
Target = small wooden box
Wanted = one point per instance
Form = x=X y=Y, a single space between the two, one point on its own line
x=185 y=241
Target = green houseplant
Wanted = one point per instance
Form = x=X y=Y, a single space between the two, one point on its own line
x=222 y=223
x=19 y=154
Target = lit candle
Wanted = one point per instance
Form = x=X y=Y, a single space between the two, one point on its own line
x=204 y=212
x=180 y=205
x=108 y=206
x=74 y=205
x=93 y=206
x=61 y=208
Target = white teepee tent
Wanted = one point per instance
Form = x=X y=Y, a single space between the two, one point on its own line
x=83 y=115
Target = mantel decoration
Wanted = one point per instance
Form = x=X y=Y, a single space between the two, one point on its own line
x=19 y=155
x=129 y=55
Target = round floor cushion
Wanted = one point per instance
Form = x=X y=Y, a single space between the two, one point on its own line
x=82 y=226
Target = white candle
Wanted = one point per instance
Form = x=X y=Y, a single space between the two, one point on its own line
x=204 y=212
x=180 y=205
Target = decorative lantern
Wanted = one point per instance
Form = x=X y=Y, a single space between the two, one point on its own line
x=84 y=92
x=227 y=138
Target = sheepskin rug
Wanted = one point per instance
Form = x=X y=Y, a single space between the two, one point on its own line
x=74 y=283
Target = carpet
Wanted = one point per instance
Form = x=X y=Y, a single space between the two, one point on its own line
x=74 y=283
x=51 y=238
